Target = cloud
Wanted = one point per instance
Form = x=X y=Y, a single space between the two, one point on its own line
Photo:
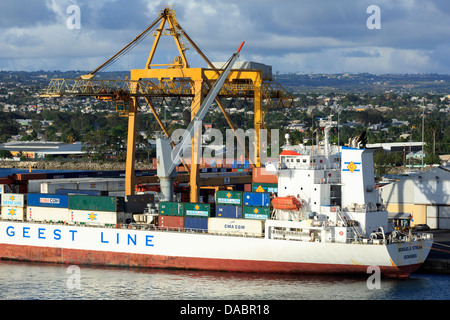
x=292 y=35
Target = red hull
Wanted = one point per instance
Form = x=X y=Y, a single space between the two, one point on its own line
x=102 y=258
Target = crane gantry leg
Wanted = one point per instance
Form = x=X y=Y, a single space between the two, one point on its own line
x=130 y=177
x=196 y=142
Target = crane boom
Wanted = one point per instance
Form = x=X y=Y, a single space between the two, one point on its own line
x=166 y=166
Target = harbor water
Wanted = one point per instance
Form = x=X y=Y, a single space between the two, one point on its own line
x=34 y=281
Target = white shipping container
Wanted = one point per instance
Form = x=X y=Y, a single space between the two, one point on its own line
x=236 y=226
x=93 y=185
x=47 y=214
x=13 y=200
x=94 y=217
x=116 y=185
x=13 y=213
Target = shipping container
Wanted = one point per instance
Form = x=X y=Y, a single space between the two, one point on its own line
x=197 y=210
x=48 y=200
x=196 y=224
x=171 y=209
x=236 y=226
x=256 y=213
x=81 y=192
x=13 y=213
x=101 y=185
x=229 y=197
x=138 y=203
x=171 y=223
x=96 y=203
x=14 y=200
x=256 y=199
x=265 y=187
x=51 y=187
x=227 y=211
x=42 y=214
x=261 y=175
x=93 y=217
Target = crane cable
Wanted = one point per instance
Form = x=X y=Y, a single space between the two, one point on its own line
x=127 y=48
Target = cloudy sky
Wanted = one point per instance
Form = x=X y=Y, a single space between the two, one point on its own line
x=304 y=36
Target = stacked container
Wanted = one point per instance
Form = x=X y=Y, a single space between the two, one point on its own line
x=171 y=215
x=256 y=205
x=47 y=207
x=96 y=210
x=13 y=205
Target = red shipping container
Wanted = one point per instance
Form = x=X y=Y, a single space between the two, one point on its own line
x=260 y=175
x=171 y=222
x=248 y=187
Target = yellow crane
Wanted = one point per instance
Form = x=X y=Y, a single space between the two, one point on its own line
x=177 y=79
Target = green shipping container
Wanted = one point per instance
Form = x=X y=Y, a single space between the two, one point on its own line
x=256 y=213
x=171 y=209
x=96 y=203
x=229 y=197
x=265 y=187
x=202 y=210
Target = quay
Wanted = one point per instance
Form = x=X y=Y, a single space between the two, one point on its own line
x=438 y=260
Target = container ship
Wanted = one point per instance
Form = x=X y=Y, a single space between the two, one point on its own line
x=321 y=216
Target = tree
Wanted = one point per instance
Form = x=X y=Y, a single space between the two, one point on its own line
x=5 y=154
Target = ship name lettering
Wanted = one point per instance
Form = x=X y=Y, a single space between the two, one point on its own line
x=410 y=256
x=41 y=233
x=130 y=239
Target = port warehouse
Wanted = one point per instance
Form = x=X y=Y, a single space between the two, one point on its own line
x=425 y=195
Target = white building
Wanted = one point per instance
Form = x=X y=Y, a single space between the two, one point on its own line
x=425 y=195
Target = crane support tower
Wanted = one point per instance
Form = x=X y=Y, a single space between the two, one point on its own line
x=177 y=79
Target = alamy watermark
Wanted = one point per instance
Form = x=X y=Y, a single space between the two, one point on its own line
x=237 y=145
x=73 y=22
x=374 y=21
x=374 y=280
x=74 y=280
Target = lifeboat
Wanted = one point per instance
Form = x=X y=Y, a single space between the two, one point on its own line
x=286 y=203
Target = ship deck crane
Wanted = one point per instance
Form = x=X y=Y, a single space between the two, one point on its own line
x=178 y=79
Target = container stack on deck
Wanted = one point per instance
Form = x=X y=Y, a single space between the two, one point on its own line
x=73 y=209
x=234 y=212
x=13 y=206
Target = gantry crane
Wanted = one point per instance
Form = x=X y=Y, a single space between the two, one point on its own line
x=177 y=79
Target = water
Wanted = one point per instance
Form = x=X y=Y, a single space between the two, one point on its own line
x=31 y=281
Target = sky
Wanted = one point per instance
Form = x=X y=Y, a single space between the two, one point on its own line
x=298 y=36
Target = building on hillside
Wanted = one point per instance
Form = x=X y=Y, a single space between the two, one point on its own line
x=39 y=149
x=397 y=146
x=425 y=195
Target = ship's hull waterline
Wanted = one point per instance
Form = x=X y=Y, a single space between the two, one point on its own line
x=181 y=250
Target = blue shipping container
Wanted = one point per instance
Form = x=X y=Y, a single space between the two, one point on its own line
x=48 y=200
x=256 y=199
x=81 y=192
x=223 y=211
x=195 y=224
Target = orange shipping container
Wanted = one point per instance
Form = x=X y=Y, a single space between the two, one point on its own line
x=260 y=175
x=171 y=222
